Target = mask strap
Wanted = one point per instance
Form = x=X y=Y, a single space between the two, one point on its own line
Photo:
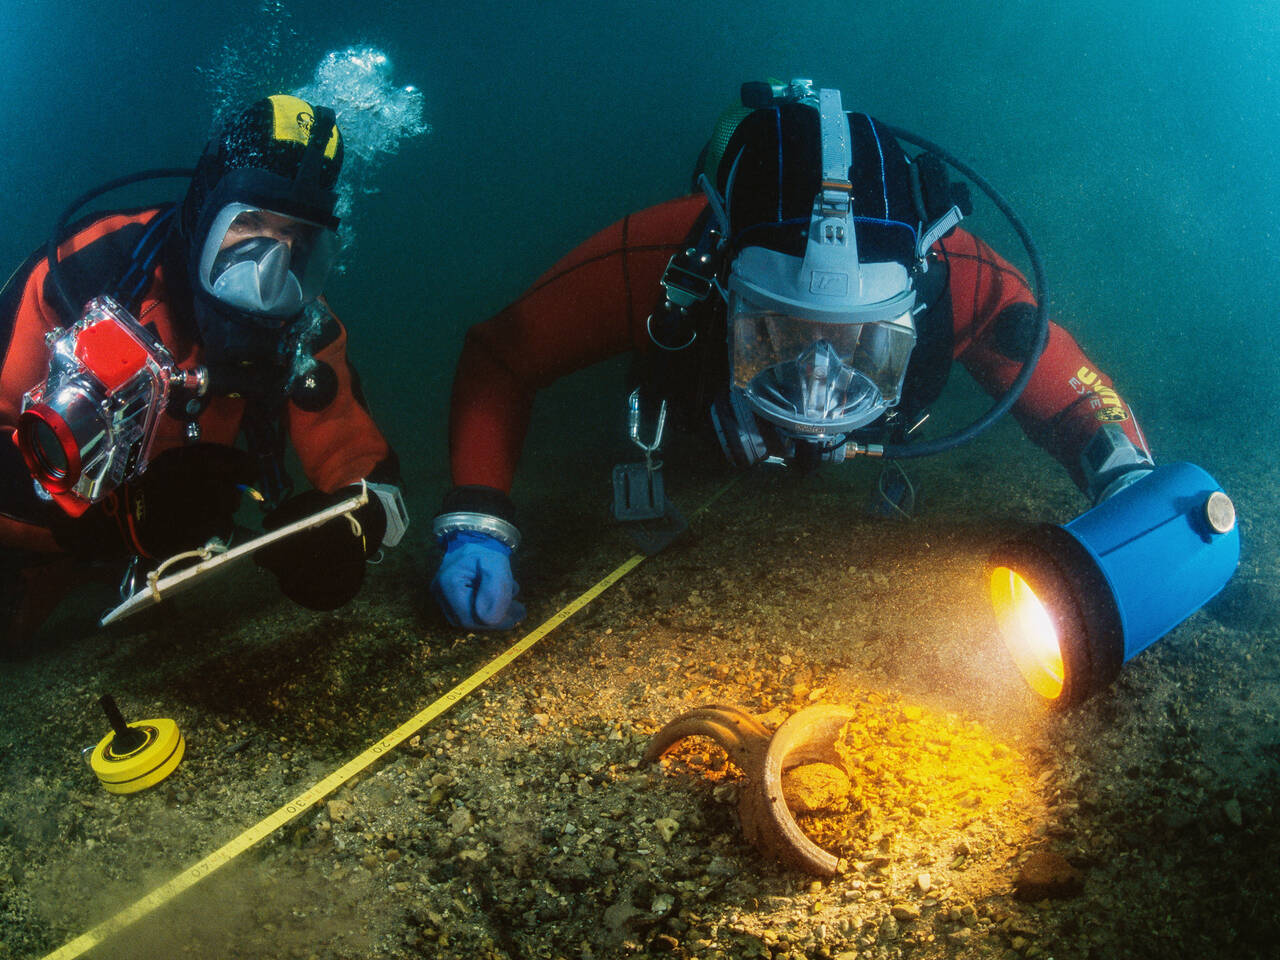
x=837 y=154
x=831 y=231
x=321 y=131
x=128 y=288
x=716 y=202
x=728 y=189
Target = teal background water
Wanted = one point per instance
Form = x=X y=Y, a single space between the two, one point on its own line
x=1137 y=140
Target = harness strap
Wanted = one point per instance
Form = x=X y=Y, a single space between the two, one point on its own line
x=679 y=370
x=321 y=131
x=127 y=290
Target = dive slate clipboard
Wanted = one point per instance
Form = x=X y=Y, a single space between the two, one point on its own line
x=215 y=556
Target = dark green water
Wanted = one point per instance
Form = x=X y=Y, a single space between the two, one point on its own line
x=1138 y=140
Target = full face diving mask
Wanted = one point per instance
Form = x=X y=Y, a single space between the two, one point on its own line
x=263 y=264
x=92 y=424
x=819 y=345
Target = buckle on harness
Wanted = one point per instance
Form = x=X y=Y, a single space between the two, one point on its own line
x=689 y=277
x=687 y=280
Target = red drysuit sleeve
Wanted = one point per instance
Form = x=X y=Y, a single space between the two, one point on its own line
x=1068 y=399
x=590 y=306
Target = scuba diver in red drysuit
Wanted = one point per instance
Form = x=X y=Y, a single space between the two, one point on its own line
x=810 y=304
x=217 y=299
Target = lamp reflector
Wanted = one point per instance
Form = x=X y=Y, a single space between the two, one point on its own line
x=1028 y=632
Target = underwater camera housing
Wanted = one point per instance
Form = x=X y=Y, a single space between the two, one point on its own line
x=91 y=425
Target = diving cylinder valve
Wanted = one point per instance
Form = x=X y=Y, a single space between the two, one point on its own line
x=134 y=756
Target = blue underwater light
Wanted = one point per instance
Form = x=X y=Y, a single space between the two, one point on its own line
x=1076 y=602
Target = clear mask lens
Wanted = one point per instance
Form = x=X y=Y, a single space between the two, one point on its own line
x=817 y=377
x=264 y=263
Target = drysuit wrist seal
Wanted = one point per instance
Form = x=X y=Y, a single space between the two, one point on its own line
x=501 y=530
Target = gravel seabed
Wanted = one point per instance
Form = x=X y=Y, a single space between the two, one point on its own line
x=521 y=823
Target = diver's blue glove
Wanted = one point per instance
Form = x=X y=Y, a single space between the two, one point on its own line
x=474 y=585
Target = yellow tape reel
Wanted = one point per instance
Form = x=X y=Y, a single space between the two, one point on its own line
x=143 y=766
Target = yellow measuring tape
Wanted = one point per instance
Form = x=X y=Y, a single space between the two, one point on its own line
x=318 y=791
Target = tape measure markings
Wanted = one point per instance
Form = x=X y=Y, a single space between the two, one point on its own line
x=318 y=791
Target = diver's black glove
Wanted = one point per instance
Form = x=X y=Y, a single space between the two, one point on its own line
x=322 y=568
x=186 y=496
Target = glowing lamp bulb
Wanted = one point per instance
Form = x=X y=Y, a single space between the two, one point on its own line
x=1028 y=632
